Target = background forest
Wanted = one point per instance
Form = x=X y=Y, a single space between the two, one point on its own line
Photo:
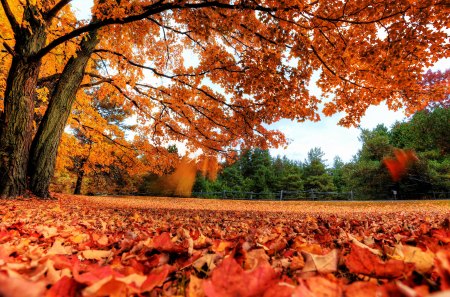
x=113 y=167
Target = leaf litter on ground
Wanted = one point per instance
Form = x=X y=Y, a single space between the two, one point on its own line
x=134 y=246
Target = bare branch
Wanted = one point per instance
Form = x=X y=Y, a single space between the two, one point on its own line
x=11 y=18
x=9 y=49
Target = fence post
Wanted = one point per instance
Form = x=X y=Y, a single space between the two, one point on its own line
x=281 y=195
x=351 y=194
x=224 y=195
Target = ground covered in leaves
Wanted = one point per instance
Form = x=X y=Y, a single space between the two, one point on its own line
x=100 y=246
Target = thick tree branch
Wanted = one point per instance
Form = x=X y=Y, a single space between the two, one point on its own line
x=11 y=18
x=148 y=11
x=49 y=15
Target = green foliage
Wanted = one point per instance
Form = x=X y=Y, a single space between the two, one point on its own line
x=427 y=133
x=316 y=176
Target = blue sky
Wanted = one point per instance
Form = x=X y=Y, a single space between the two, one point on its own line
x=334 y=140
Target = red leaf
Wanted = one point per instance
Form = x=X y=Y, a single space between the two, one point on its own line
x=94 y=275
x=163 y=243
x=156 y=278
x=363 y=261
x=397 y=166
x=443 y=268
x=361 y=289
x=66 y=286
x=229 y=279
x=280 y=290
x=442 y=235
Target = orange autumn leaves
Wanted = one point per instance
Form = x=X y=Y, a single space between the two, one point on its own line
x=97 y=247
x=399 y=164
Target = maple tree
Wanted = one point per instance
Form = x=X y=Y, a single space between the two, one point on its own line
x=367 y=51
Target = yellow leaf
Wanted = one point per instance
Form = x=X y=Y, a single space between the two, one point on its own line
x=96 y=254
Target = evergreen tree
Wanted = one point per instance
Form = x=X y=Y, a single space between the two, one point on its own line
x=315 y=172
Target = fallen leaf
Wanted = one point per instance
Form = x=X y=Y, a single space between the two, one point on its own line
x=423 y=261
x=362 y=245
x=362 y=261
x=443 y=268
x=66 y=287
x=156 y=278
x=229 y=279
x=58 y=248
x=320 y=263
x=255 y=258
x=195 y=288
x=208 y=260
x=322 y=287
x=361 y=289
x=18 y=287
x=96 y=254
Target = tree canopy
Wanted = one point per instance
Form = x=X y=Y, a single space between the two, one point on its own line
x=255 y=61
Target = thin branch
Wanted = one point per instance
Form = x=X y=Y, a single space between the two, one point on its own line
x=111 y=82
x=186 y=33
x=9 y=49
x=103 y=134
x=11 y=18
x=175 y=78
x=342 y=19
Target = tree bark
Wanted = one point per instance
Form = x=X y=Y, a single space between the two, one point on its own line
x=16 y=122
x=44 y=148
x=80 y=175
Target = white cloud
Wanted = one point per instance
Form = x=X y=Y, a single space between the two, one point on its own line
x=334 y=140
x=82 y=9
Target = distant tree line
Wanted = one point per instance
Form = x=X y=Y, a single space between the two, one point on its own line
x=426 y=132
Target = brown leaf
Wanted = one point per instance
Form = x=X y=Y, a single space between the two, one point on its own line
x=195 y=288
x=320 y=263
x=423 y=261
x=255 y=258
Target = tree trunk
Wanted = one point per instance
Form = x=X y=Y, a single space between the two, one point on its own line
x=16 y=123
x=80 y=175
x=44 y=149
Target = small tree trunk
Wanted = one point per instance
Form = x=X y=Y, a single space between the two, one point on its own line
x=44 y=149
x=80 y=176
x=16 y=122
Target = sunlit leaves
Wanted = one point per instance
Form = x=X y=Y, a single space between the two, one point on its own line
x=195 y=248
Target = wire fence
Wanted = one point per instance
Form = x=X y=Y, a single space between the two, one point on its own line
x=310 y=195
